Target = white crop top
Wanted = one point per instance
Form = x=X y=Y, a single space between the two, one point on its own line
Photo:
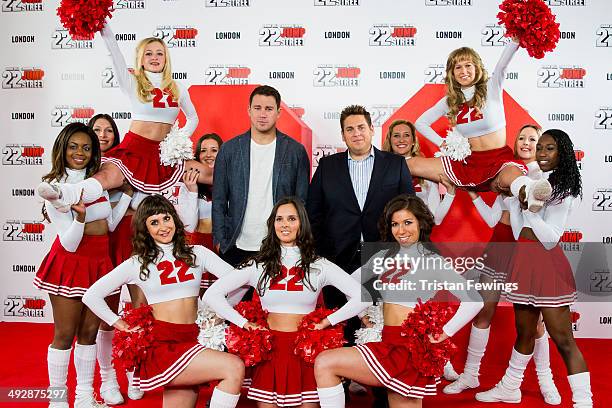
x=468 y=124
x=288 y=294
x=428 y=192
x=424 y=267
x=191 y=209
x=163 y=107
x=169 y=279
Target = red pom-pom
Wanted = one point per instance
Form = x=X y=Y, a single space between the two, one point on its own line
x=532 y=22
x=130 y=349
x=84 y=18
x=252 y=346
x=428 y=318
x=574 y=316
x=309 y=342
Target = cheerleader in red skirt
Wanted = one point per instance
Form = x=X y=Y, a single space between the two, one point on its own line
x=169 y=271
x=156 y=100
x=195 y=205
x=78 y=257
x=407 y=222
x=288 y=277
x=543 y=276
x=496 y=267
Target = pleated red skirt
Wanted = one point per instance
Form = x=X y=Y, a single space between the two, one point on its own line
x=121 y=241
x=499 y=251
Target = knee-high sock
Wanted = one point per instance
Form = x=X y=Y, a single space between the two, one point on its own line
x=581 y=390
x=541 y=358
x=104 y=348
x=516 y=369
x=57 y=364
x=222 y=399
x=85 y=364
x=476 y=349
x=91 y=188
x=331 y=397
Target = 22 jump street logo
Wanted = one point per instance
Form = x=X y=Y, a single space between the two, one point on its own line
x=227 y=3
x=601 y=281
x=298 y=110
x=435 y=73
x=61 y=39
x=129 y=4
x=274 y=35
x=18 y=78
x=24 y=306
x=336 y=75
x=493 y=36
x=109 y=79
x=388 y=35
x=579 y=155
x=30 y=231
x=570 y=240
x=602 y=199
x=552 y=76
x=321 y=151
x=177 y=36
x=604 y=36
x=336 y=2
x=227 y=75
x=63 y=115
x=22 y=5
x=565 y=2
x=448 y=2
x=22 y=155
x=603 y=118
x=380 y=113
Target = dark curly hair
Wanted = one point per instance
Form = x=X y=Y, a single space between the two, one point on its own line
x=565 y=179
x=144 y=246
x=269 y=256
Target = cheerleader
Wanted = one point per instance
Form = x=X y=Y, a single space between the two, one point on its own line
x=156 y=100
x=288 y=277
x=106 y=129
x=407 y=222
x=401 y=139
x=78 y=257
x=474 y=106
x=543 y=276
x=168 y=271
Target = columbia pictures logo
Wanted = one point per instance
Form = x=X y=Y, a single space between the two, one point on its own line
x=392 y=35
x=274 y=35
x=336 y=75
x=604 y=36
x=17 y=78
x=24 y=306
x=177 y=36
x=30 y=231
x=22 y=155
x=380 y=113
x=333 y=3
x=553 y=76
x=434 y=74
x=603 y=118
x=63 y=115
x=61 y=39
x=227 y=3
x=129 y=4
x=601 y=282
x=227 y=75
x=493 y=36
x=448 y=2
x=21 y=5
x=602 y=199
x=109 y=79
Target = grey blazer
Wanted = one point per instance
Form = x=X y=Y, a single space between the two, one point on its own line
x=290 y=177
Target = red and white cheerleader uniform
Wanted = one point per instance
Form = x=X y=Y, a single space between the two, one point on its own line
x=479 y=168
x=286 y=380
x=429 y=193
x=174 y=345
x=120 y=239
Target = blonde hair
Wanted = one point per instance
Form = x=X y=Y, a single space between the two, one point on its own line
x=415 y=150
x=143 y=85
x=532 y=126
x=454 y=95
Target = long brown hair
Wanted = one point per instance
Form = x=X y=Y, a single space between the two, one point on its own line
x=144 y=246
x=415 y=150
x=454 y=95
x=205 y=190
x=110 y=120
x=269 y=256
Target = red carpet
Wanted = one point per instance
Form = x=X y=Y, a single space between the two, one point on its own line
x=24 y=348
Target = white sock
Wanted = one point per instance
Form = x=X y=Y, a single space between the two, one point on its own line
x=541 y=358
x=476 y=349
x=515 y=186
x=581 y=389
x=516 y=369
x=104 y=348
x=91 y=188
x=331 y=397
x=222 y=399
x=85 y=364
x=57 y=364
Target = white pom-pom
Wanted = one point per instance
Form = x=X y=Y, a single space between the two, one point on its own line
x=368 y=335
x=456 y=146
x=212 y=329
x=176 y=147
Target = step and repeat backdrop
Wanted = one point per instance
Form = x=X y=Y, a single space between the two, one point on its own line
x=322 y=55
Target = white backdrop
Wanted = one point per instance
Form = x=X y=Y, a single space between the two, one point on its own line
x=322 y=55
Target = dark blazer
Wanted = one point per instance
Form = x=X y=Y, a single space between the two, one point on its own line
x=290 y=175
x=335 y=217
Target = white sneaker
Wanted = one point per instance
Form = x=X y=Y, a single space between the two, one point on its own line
x=135 y=393
x=53 y=194
x=110 y=393
x=88 y=401
x=462 y=383
x=551 y=395
x=499 y=394
x=356 y=388
x=537 y=193
x=449 y=373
